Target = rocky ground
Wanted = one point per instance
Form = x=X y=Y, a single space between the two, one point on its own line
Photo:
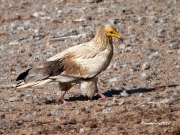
x=143 y=78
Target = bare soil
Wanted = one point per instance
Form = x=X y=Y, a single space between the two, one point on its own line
x=142 y=80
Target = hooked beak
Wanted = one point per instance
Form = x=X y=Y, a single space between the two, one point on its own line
x=120 y=39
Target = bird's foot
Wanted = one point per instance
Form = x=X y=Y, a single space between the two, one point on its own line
x=60 y=100
x=102 y=96
x=105 y=98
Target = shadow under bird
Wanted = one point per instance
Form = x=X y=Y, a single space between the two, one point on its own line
x=80 y=64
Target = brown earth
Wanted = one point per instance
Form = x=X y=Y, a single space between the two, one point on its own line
x=146 y=65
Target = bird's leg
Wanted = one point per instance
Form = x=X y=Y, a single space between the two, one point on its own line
x=61 y=98
x=101 y=95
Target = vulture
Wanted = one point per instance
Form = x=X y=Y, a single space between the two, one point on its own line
x=80 y=64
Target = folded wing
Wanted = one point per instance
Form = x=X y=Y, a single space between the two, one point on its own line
x=78 y=62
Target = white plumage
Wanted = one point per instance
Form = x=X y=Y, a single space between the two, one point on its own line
x=79 y=64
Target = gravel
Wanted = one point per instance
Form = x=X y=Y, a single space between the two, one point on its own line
x=144 y=65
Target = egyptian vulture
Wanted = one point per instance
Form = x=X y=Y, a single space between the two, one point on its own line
x=80 y=64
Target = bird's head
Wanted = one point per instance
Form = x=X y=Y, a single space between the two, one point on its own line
x=112 y=32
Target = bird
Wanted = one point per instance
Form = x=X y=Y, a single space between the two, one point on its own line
x=80 y=64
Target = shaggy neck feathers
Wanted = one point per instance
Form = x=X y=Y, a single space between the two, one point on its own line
x=101 y=40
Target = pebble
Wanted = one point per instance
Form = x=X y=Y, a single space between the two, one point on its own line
x=27 y=24
x=130 y=29
x=145 y=66
x=83 y=18
x=92 y=1
x=112 y=21
x=14 y=98
x=140 y=94
x=169 y=51
x=45 y=18
x=81 y=130
x=2 y=115
x=118 y=101
x=114 y=79
x=13 y=43
x=38 y=14
x=154 y=55
x=128 y=49
x=20 y=28
x=55 y=112
x=13 y=25
x=178 y=51
x=106 y=110
x=27 y=118
x=144 y=74
x=124 y=93
x=44 y=7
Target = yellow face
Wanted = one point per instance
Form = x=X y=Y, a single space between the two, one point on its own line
x=111 y=32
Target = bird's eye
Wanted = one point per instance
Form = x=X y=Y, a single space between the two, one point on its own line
x=111 y=32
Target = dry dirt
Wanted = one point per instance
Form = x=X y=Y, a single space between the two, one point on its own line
x=143 y=78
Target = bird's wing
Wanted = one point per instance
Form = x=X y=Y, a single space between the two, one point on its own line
x=81 y=61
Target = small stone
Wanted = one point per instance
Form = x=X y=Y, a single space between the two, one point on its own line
x=36 y=14
x=113 y=84
x=27 y=24
x=57 y=21
x=114 y=79
x=106 y=110
x=130 y=29
x=119 y=102
x=92 y=1
x=83 y=18
x=2 y=20
x=20 y=28
x=20 y=122
x=55 y=112
x=122 y=47
x=128 y=49
x=124 y=93
x=72 y=131
x=13 y=43
x=169 y=51
x=45 y=18
x=145 y=66
x=144 y=74
x=15 y=98
x=27 y=118
x=2 y=115
x=60 y=11
x=140 y=94
x=44 y=7
x=81 y=130
x=154 y=55
x=178 y=51
x=112 y=21
x=177 y=66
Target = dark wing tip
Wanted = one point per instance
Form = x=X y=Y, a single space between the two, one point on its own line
x=23 y=75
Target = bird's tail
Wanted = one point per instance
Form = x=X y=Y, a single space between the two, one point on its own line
x=32 y=84
x=35 y=76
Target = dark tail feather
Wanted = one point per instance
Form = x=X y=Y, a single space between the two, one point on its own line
x=23 y=75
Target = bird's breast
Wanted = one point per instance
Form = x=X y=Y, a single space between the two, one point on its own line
x=109 y=55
